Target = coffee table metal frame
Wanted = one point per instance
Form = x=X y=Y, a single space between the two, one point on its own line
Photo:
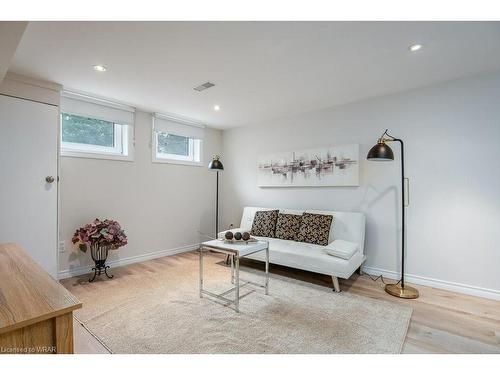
x=235 y=256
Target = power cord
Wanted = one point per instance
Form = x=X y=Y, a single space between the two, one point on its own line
x=381 y=277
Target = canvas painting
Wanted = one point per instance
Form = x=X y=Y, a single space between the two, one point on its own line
x=328 y=166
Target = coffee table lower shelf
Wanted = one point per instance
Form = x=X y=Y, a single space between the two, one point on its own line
x=235 y=253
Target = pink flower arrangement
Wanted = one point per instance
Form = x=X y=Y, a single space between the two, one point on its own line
x=102 y=233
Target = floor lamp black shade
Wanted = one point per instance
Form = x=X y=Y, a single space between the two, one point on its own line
x=382 y=152
x=216 y=165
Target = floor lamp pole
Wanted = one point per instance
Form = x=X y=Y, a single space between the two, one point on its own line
x=402 y=290
x=217 y=207
x=403 y=212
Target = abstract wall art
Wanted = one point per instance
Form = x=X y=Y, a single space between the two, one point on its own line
x=328 y=166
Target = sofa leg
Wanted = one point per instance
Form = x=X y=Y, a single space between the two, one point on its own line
x=336 y=286
x=360 y=270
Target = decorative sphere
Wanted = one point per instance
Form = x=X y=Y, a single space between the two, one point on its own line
x=237 y=236
x=229 y=235
x=245 y=236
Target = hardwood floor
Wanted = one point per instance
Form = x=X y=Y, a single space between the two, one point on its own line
x=442 y=321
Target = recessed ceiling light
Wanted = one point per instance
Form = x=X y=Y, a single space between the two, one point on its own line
x=216 y=107
x=100 y=68
x=415 y=47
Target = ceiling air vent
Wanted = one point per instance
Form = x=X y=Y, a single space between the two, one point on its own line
x=204 y=86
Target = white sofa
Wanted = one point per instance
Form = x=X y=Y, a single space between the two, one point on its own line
x=347 y=226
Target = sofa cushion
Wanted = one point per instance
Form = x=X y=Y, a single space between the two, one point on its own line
x=287 y=226
x=341 y=249
x=315 y=228
x=264 y=223
x=307 y=256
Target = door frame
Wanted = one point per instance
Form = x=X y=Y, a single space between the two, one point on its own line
x=57 y=169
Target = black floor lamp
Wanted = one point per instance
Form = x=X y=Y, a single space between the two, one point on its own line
x=216 y=165
x=382 y=152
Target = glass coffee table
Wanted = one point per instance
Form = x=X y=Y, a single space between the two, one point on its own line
x=236 y=251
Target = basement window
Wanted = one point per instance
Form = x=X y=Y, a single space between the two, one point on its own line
x=176 y=143
x=90 y=135
x=93 y=128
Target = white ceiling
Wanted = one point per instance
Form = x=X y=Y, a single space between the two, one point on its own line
x=262 y=70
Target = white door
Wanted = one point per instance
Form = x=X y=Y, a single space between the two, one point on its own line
x=28 y=158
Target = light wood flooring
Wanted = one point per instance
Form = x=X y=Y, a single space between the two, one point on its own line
x=442 y=321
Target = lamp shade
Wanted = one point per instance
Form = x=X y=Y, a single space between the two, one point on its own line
x=216 y=163
x=380 y=152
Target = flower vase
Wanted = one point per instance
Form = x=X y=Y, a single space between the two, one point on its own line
x=99 y=254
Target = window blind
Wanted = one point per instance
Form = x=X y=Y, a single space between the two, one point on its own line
x=168 y=125
x=83 y=105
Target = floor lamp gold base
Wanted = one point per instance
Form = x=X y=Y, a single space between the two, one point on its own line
x=397 y=291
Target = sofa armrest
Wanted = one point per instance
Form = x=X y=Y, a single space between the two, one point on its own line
x=341 y=249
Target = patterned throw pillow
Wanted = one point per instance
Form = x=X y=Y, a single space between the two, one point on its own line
x=315 y=228
x=287 y=226
x=264 y=223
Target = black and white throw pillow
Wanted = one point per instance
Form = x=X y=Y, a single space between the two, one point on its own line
x=264 y=223
x=315 y=228
x=287 y=226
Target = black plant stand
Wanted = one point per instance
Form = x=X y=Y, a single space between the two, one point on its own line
x=99 y=255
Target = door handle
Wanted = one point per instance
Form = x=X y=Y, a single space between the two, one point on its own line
x=49 y=179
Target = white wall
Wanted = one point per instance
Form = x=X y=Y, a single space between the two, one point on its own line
x=161 y=206
x=10 y=37
x=452 y=135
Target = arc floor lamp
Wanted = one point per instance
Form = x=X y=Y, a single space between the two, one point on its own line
x=382 y=152
x=217 y=166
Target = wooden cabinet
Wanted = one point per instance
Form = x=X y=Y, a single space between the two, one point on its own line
x=36 y=312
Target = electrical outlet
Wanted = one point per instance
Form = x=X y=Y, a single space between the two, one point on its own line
x=62 y=246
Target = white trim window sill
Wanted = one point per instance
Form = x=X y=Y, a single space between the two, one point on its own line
x=90 y=155
x=179 y=162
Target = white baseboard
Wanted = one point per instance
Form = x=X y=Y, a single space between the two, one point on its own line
x=435 y=283
x=81 y=270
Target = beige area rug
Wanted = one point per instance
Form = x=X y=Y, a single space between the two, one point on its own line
x=154 y=307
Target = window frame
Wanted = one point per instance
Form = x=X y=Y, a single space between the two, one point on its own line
x=177 y=159
x=122 y=150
